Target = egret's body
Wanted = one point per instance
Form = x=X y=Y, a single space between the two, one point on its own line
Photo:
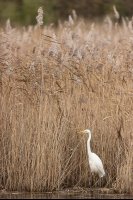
x=95 y=162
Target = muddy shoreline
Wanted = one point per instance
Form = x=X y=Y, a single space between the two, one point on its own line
x=75 y=193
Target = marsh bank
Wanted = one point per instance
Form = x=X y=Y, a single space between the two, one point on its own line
x=67 y=194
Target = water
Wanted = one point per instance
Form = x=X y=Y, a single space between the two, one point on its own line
x=62 y=195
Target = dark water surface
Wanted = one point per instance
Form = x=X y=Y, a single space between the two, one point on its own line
x=62 y=195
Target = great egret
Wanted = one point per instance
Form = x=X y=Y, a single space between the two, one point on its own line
x=95 y=162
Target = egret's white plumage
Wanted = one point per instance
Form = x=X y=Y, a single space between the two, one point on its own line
x=95 y=162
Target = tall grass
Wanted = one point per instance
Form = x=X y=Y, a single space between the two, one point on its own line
x=55 y=82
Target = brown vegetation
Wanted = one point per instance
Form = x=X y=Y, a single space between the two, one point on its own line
x=55 y=82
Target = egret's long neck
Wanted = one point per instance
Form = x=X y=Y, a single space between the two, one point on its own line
x=88 y=144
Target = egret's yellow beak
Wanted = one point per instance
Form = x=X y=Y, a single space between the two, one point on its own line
x=81 y=132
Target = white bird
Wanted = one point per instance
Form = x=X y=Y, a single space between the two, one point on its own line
x=96 y=165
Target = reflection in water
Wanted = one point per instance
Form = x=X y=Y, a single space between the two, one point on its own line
x=62 y=196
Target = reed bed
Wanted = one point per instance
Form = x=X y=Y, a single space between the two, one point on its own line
x=55 y=81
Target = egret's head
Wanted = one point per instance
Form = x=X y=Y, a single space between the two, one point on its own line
x=86 y=131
